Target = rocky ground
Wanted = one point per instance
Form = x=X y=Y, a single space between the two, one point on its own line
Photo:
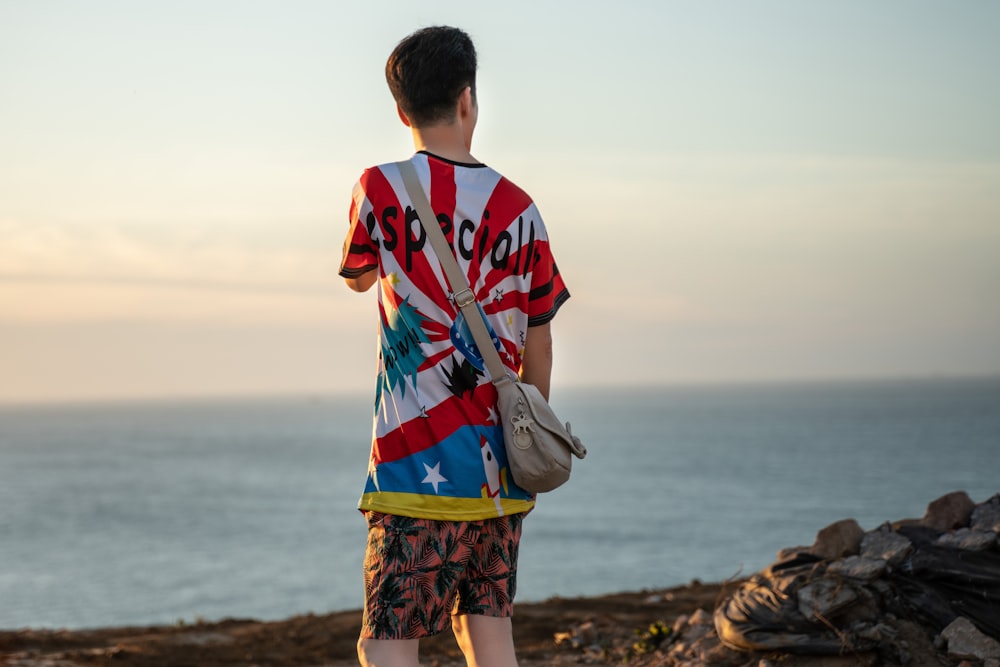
x=594 y=630
x=627 y=628
x=844 y=590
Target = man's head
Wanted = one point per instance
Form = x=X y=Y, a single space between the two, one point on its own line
x=428 y=71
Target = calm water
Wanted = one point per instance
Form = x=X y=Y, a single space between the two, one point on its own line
x=150 y=513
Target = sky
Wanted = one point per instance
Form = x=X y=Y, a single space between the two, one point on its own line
x=734 y=191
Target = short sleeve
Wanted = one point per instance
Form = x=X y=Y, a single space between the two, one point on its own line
x=360 y=250
x=548 y=292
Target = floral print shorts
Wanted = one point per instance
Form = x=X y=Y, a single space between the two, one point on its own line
x=420 y=571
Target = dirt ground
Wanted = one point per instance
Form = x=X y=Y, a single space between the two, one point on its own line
x=329 y=640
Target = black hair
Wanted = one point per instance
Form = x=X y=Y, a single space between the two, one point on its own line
x=428 y=70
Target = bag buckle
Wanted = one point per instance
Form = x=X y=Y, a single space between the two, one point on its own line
x=464 y=297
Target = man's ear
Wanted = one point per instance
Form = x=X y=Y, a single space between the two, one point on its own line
x=465 y=102
x=402 y=116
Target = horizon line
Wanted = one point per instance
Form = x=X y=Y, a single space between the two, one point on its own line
x=322 y=395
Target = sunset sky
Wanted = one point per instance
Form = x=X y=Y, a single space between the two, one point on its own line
x=735 y=191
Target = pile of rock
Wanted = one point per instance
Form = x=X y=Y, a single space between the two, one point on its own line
x=914 y=592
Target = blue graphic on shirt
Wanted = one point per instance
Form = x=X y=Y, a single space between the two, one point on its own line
x=402 y=334
x=470 y=462
x=461 y=338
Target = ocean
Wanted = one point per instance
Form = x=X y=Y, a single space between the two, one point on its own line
x=158 y=512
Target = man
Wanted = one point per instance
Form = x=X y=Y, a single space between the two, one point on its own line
x=444 y=515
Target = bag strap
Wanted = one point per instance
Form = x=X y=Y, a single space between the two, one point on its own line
x=462 y=294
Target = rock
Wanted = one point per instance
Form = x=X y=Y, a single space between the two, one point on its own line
x=791 y=552
x=586 y=632
x=968 y=539
x=680 y=625
x=563 y=637
x=880 y=632
x=700 y=625
x=986 y=516
x=885 y=544
x=700 y=617
x=578 y=636
x=875 y=593
x=839 y=539
x=950 y=511
x=861 y=660
x=857 y=567
x=965 y=641
x=823 y=598
x=713 y=653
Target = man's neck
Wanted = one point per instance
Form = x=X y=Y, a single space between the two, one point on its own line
x=445 y=140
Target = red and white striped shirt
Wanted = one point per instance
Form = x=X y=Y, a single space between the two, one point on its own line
x=437 y=448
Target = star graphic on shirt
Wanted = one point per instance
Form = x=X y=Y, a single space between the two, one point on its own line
x=494 y=417
x=434 y=475
x=510 y=319
x=393 y=279
x=498 y=294
x=423 y=412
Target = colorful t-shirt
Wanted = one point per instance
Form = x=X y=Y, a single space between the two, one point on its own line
x=437 y=445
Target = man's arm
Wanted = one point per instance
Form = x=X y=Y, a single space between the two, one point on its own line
x=536 y=363
x=363 y=282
